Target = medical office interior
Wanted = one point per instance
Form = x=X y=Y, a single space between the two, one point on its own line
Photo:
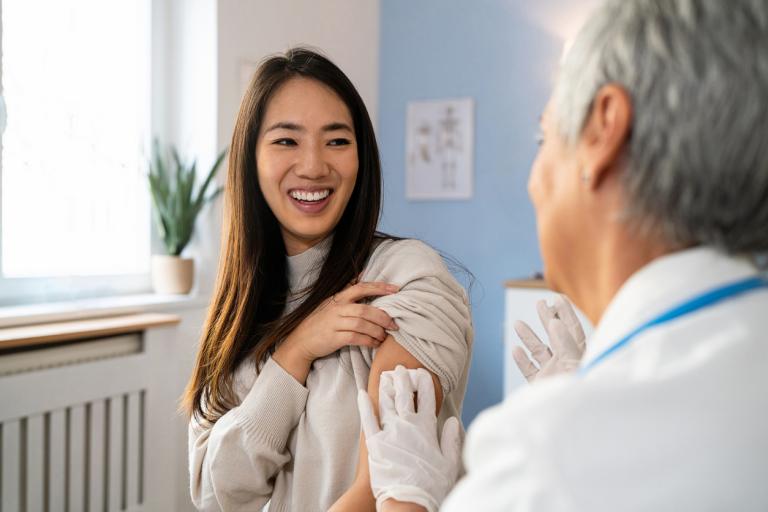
x=96 y=345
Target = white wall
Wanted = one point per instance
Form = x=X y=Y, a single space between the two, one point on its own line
x=193 y=99
x=347 y=31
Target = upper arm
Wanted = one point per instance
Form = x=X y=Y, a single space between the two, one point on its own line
x=389 y=355
x=434 y=324
x=431 y=310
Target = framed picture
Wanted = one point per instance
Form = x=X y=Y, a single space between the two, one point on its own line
x=439 y=149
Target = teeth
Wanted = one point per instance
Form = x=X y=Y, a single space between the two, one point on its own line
x=310 y=196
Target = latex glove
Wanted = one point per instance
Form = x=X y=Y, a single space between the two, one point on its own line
x=566 y=341
x=406 y=461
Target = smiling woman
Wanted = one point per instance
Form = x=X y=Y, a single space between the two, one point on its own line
x=308 y=162
x=312 y=303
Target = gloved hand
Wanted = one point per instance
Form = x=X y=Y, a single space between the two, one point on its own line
x=566 y=340
x=406 y=461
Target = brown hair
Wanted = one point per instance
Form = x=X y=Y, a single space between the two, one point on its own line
x=245 y=318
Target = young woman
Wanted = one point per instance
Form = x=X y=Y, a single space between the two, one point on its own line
x=311 y=305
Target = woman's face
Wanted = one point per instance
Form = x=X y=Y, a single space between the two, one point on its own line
x=553 y=186
x=307 y=162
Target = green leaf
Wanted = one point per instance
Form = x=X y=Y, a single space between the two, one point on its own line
x=172 y=188
x=211 y=174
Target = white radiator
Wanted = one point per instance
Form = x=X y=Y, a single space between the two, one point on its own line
x=83 y=426
x=70 y=353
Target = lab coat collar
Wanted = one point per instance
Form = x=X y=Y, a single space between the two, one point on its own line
x=660 y=285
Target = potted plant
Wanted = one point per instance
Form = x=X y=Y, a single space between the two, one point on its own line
x=177 y=203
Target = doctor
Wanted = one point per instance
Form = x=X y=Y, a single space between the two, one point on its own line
x=651 y=194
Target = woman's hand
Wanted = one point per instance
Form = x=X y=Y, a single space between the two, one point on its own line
x=337 y=322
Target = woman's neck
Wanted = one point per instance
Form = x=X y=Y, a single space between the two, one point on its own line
x=295 y=245
x=610 y=263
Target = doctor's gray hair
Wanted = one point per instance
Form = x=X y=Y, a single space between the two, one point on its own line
x=696 y=161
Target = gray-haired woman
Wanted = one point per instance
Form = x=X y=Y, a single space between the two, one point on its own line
x=651 y=195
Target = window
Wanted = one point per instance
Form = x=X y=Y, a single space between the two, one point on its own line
x=74 y=205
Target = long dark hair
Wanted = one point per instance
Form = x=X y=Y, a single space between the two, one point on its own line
x=245 y=318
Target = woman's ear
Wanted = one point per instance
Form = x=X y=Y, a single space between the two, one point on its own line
x=605 y=134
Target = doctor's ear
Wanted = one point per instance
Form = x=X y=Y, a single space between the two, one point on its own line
x=605 y=134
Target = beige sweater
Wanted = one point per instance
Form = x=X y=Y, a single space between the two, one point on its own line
x=296 y=447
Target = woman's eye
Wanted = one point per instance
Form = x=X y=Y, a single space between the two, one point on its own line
x=339 y=142
x=539 y=138
x=284 y=142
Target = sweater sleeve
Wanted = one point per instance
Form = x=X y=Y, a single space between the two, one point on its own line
x=232 y=464
x=431 y=309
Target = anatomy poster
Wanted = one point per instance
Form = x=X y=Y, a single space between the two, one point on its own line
x=439 y=149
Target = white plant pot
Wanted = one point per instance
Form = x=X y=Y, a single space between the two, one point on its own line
x=172 y=274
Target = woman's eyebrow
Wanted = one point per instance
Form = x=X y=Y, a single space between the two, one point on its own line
x=337 y=126
x=285 y=125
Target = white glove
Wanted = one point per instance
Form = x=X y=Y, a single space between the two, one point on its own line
x=566 y=339
x=406 y=461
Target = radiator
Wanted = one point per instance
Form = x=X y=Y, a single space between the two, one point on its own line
x=71 y=353
x=77 y=427
x=84 y=457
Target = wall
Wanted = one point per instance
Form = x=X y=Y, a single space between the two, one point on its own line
x=186 y=112
x=504 y=54
x=347 y=31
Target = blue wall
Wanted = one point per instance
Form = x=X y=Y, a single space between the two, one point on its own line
x=485 y=49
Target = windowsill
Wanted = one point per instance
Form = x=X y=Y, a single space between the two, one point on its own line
x=62 y=332
x=12 y=316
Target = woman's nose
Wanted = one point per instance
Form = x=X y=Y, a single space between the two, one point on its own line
x=311 y=164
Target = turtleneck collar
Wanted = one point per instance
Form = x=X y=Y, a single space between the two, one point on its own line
x=304 y=268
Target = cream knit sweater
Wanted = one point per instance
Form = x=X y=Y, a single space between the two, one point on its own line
x=296 y=447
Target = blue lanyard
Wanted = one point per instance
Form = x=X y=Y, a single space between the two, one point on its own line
x=702 y=301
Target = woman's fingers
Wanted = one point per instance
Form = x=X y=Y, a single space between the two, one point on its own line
x=369 y=313
x=362 y=326
x=355 y=338
x=538 y=350
x=360 y=291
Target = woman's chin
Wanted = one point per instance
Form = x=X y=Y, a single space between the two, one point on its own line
x=298 y=240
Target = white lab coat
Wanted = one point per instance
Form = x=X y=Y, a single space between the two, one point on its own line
x=675 y=421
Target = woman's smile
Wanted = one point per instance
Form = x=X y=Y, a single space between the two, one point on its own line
x=310 y=200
